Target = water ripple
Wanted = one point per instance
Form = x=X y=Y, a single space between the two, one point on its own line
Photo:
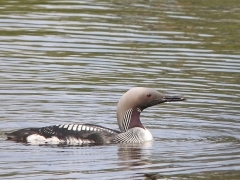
x=70 y=62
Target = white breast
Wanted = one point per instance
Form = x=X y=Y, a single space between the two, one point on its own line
x=134 y=135
x=144 y=134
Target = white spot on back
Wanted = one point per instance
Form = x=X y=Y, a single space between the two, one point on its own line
x=83 y=127
x=79 y=127
x=60 y=126
x=65 y=126
x=87 y=128
x=74 y=127
x=70 y=127
x=91 y=128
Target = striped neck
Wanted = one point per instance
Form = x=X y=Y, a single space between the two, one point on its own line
x=131 y=119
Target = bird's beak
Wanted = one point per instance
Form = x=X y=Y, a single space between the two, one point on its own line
x=167 y=98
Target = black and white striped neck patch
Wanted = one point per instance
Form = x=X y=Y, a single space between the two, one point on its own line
x=126 y=120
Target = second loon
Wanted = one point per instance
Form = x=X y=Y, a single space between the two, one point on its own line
x=129 y=108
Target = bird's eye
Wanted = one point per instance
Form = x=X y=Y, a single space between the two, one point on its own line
x=149 y=95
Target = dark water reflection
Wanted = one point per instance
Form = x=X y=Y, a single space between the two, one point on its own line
x=70 y=62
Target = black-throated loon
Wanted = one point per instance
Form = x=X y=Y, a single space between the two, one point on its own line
x=129 y=107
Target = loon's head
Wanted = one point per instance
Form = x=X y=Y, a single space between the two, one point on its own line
x=134 y=101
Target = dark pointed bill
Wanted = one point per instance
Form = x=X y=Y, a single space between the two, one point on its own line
x=167 y=98
x=163 y=99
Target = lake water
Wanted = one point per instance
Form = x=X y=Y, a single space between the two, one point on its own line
x=70 y=62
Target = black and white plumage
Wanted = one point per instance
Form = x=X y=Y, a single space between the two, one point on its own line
x=81 y=134
x=132 y=103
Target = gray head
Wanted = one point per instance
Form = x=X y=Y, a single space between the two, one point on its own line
x=134 y=101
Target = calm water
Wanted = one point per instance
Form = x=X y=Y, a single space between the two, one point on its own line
x=70 y=62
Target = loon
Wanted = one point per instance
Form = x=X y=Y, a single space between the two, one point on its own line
x=129 y=108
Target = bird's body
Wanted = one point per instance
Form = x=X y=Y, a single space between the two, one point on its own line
x=132 y=103
x=81 y=134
